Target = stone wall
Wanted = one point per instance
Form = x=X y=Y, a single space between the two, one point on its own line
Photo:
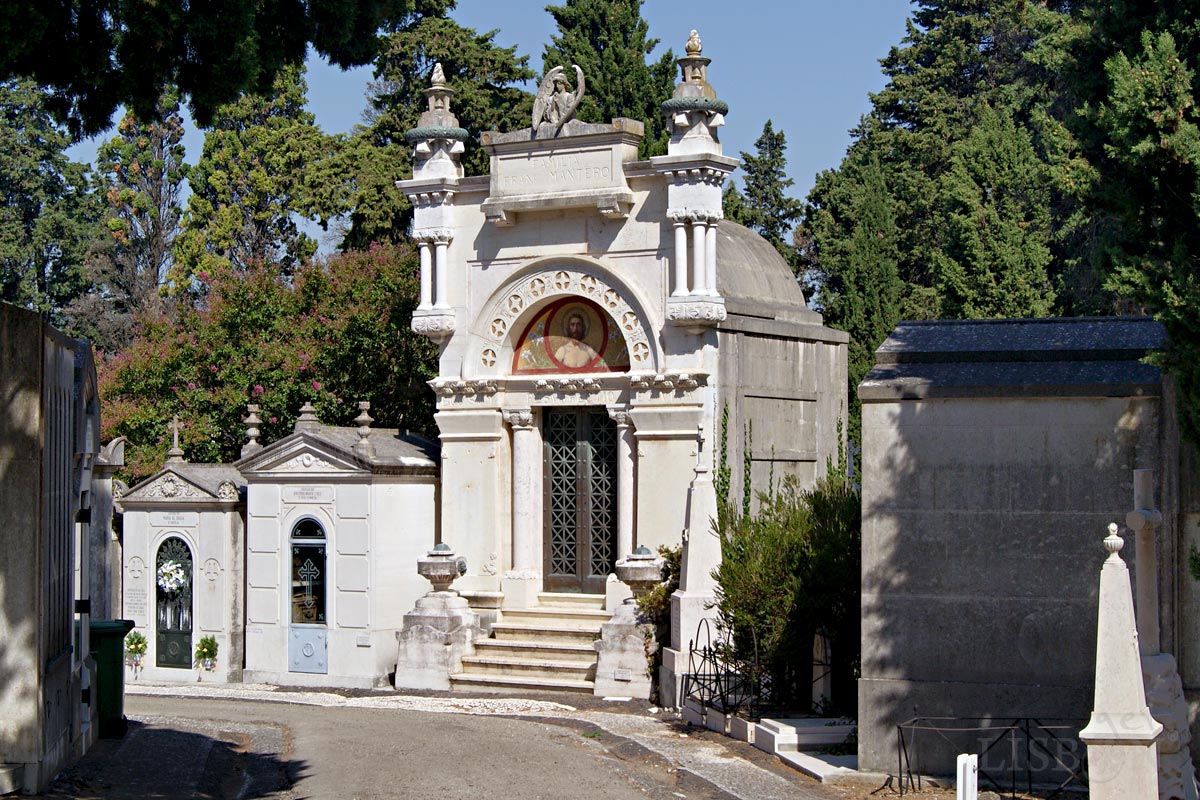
x=994 y=455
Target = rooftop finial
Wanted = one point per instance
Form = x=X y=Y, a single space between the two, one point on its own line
x=308 y=418
x=693 y=46
x=252 y=422
x=438 y=79
x=364 y=446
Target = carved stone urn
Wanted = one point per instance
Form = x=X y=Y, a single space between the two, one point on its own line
x=640 y=571
x=441 y=568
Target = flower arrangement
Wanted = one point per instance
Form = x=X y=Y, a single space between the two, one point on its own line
x=135 y=647
x=171 y=577
x=206 y=652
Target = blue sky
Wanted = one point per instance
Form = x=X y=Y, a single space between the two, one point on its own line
x=807 y=65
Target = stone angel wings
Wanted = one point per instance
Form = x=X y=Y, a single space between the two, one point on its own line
x=555 y=104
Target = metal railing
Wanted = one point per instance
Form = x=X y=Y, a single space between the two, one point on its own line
x=1047 y=753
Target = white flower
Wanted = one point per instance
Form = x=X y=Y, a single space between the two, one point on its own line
x=171 y=577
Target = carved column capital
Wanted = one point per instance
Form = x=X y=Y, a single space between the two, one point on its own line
x=518 y=418
x=433 y=236
x=620 y=416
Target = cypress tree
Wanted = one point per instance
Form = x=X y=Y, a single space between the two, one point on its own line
x=765 y=207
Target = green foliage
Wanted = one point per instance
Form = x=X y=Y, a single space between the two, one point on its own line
x=1141 y=131
x=263 y=165
x=655 y=605
x=610 y=42
x=206 y=648
x=336 y=333
x=968 y=178
x=765 y=206
x=102 y=54
x=788 y=572
x=486 y=81
x=860 y=284
x=140 y=174
x=47 y=220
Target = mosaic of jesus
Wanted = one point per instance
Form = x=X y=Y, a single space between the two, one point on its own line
x=571 y=335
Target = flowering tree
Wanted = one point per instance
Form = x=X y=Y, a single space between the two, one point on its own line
x=335 y=333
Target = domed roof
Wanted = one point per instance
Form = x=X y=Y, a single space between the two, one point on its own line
x=754 y=279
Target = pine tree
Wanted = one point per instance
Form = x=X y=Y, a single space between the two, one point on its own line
x=264 y=163
x=860 y=287
x=140 y=179
x=48 y=219
x=609 y=41
x=1136 y=71
x=765 y=207
x=486 y=80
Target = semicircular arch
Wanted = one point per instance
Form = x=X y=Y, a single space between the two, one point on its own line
x=510 y=308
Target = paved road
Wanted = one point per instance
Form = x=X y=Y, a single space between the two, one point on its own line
x=315 y=745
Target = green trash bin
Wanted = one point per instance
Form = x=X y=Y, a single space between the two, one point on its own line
x=108 y=651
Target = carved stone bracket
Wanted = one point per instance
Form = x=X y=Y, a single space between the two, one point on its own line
x=437 y=325
x=433 y=235
x=582 y=386
x=461 y=388
x=667 y=381
x=695 y=313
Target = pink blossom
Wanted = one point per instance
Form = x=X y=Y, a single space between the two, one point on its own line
x=258 y=389
x=212 y=367
x=274 y=419
x=191 y=385
x=316 y=384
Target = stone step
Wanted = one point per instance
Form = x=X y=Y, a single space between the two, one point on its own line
x=464 y=680
x=570 y=600
x=529 y=667
x=552 y=651
x=551 y=634
x=804 y=733
x=557 y=617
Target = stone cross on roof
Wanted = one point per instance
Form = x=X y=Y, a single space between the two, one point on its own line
x=175 y=454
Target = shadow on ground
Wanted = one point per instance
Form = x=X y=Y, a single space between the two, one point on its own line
x=154 y=761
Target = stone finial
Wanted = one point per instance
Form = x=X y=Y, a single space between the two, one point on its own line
x=252 y=421
x=364 y=446
x=437 y=141
x=693 y=45
x=307 y=420
x=1113 y=542
x=175 y=454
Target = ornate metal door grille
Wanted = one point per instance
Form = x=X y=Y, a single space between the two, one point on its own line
x=581 y=487
x=173 y=647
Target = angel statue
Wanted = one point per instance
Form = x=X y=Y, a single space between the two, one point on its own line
x=555 y=103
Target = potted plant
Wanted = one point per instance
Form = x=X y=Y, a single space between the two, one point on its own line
x=135 y=648
x=206 y=652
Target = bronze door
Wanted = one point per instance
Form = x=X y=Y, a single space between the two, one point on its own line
x=580 y=482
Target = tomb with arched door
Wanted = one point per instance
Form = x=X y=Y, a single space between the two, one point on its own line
x=597 y=317
x=183 y=539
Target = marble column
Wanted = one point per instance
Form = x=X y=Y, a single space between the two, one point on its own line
x=426 y=274
x=523 y=582
x=625 y=461
x=710 y=257
x=699 y=248
x=439 y=272
x=681 y=255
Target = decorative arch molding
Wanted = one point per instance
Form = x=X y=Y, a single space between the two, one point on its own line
x=547 y=279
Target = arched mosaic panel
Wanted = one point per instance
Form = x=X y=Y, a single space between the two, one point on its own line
x=571 y=335
x=556 y=284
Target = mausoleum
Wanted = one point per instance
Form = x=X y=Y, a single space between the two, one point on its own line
x=596 y=316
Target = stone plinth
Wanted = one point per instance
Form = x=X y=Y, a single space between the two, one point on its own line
x=627 y=642
x=436 y=636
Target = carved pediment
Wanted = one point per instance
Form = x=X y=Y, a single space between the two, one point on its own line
x=167 y=487
x=300 y=457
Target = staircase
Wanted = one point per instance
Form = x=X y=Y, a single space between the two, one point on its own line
x=547 y=647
